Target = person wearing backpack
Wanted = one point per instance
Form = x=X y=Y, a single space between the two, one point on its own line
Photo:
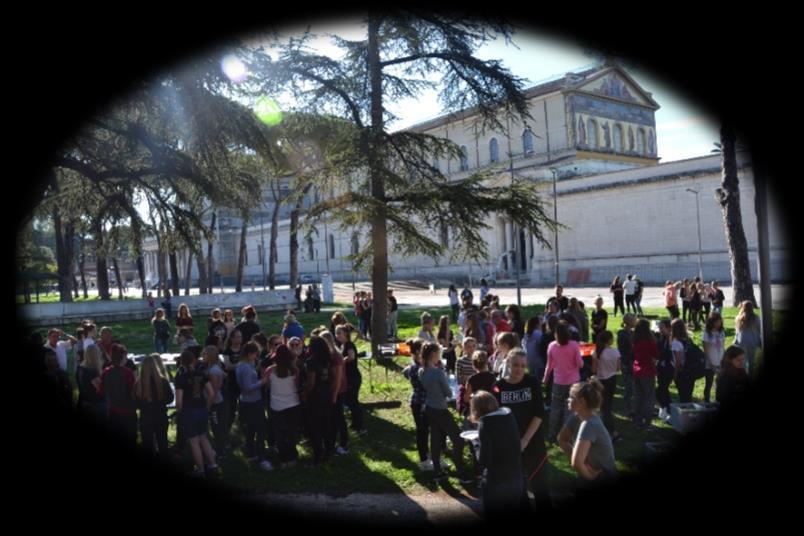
x=640 y=286
x=690 y=361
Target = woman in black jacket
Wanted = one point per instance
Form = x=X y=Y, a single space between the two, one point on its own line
x=503 y=487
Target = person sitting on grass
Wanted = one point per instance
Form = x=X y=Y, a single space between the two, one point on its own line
x=193 y=400
x=499 y=458
x=592 y=453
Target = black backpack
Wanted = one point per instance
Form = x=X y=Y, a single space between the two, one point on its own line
x=694 y=361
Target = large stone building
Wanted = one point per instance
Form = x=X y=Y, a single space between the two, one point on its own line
x=594 y=134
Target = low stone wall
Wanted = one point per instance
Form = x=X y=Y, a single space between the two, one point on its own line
x=44 y=314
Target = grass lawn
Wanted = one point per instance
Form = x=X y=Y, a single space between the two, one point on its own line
x=385 y=460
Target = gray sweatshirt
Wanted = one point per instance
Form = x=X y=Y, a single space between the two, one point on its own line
x=248 y=381
x=435 y=384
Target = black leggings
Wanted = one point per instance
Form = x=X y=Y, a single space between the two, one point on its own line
x=710 y=380
x=607 y=409
x=320 y=427
x=218 y=420
x=630 y=303
x=618 y=304
x=253 y=416
x=352 y=402
x=665 y=378
x=685 y=386
x=286 y=429
x=422 y=430
x=441 y=424
x=339 y=425
x=154 y=429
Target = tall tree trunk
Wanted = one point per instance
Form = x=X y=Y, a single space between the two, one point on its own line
x=188 y=273
x=141 y=275
x=210 y=271
x=241 y=261
x=294 y=236
x=81 y=266
x=201 y=263
x=102 y=270
x=161 y=261
x=273 y=257
x=63 y=259
x=70 y=231
x=174 y=273
x=728 y=195
x=377 y=219
x=117 y=276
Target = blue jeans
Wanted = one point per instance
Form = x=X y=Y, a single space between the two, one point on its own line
x=161 y=346
x=628 y=387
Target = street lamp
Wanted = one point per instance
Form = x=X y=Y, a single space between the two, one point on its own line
x=698 y=211
x=515 y=238
x=555 y=219
x=262 y=240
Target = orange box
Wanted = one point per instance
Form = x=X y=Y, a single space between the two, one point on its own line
x=402 y=349
x=587 y=348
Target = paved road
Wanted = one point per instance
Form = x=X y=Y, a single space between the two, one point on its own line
x=652 y=296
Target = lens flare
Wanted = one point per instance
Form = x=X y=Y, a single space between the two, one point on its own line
x=234 y=69
x=267 y=110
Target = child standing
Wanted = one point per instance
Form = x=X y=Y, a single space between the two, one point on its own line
x=417 y=399
x=625 y=343
x=605 y=365
x=646 y=355
x=563 y=357
x=714 y=340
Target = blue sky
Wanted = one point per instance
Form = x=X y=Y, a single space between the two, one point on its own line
x=683 y=130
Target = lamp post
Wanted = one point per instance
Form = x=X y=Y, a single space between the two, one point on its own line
x=262 y=240
x=555 y=219
x=698 y=212
x=515 y=238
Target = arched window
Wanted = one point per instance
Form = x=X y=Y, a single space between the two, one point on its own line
x=494 y=150
x=641 y=141
x=464 y=158
x=617 y=138
x=310 y=250
x=331 y=247
x=527 y=142
x=355 y=244
x=591 y=128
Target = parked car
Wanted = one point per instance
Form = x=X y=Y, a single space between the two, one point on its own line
x=307 y=279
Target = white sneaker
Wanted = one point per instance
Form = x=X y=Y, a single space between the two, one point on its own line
x=341 y=451
x=662 y=414
x=426 y=465
x=266 y=466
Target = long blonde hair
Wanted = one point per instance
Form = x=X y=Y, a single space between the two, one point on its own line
x=211 y=356
x=747 y=317
x=92 y=358
x=150 y=373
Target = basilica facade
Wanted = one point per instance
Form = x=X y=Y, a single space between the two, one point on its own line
x=590 y=147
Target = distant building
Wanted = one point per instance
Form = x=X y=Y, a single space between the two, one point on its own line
x=625 y=212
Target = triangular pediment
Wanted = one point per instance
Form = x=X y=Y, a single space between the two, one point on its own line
x=616 y=84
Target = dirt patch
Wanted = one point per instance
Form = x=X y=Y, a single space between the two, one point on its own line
x=424 y=508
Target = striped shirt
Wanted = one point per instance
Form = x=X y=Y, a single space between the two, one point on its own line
x=419 y=395
x=464 y=369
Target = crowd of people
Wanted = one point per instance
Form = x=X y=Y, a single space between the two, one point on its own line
x=530 y=377
x=279 y=388
x=522 y=384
